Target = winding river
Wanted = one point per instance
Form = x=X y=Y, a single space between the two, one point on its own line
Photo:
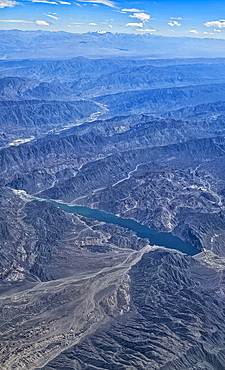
x=163 y=239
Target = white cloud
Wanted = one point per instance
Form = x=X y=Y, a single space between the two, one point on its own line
x=109 y=3
x=134 y=25
x=51 y=2
x=110 y=26
x=174 y=23
x=216 y=30
x=217 y=24
x=142 y=16
x=92 y=24
x=38 y=22
x=68 y=25
x=178 y=18
x=45 y=2
x=133 y=10
x=146 y=30
x=101 y=32
x=7 y=3
x=14 y=21
x=77 y=23
x=194 y=31
x=170 y=30
x=42 y=23
x=51 y=16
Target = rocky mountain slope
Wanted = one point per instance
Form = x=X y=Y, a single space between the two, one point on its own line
x=142 y=139
x=168 y=325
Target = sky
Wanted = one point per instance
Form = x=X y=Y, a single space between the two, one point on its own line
x=189 y=18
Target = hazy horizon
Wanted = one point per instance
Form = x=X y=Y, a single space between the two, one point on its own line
x=17 y=44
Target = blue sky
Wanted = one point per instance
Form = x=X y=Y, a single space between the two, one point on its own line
x=190 y=18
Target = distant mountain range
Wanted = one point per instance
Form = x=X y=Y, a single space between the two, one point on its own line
x=17 y=44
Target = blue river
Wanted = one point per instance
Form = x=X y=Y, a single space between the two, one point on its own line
x=163 y=239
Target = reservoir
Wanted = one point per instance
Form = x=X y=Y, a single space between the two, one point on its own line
x=167 y=240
